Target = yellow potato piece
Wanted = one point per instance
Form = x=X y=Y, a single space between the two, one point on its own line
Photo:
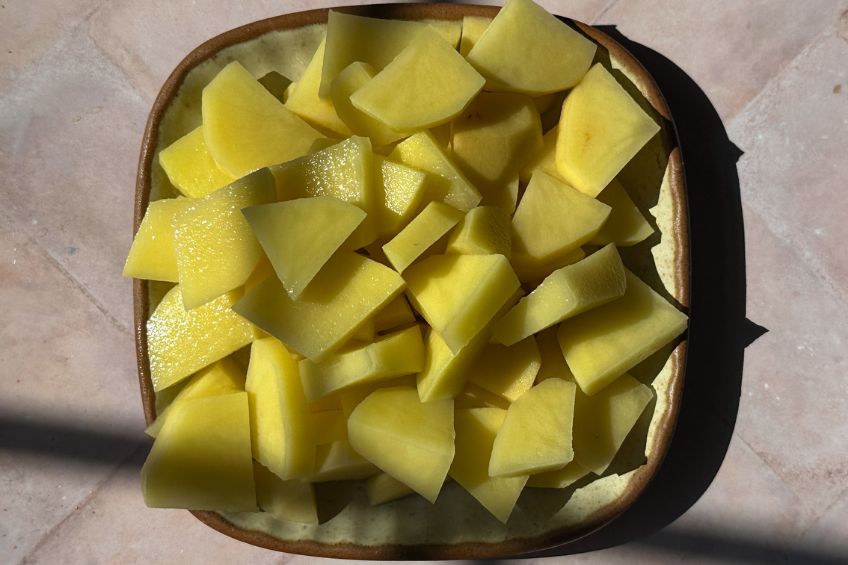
x=246 y=128
x=351 y=79
x=446 y=182
x=602 y=421
x=601 y=129
x=472 y=28
x=553 y=363
x=626 y=225
x=201 y=457
x=507 y=372
x=191 y=168
x=459 y=295
x=445 y=372
x=473 y=396
x=279 y=421
x=291 y=501
x=476 y=429
x=530 y=271
x=599 y=346
x=221 y=377
x=327 y=426
x=328 y=403
x=543 y=159
x=299 y=236
x=382 y=488
x=401 y=190
x=427 y=84
x=484 y=230
x=401 y=353
x=566 y=292
x=526 y=49
x=180 y=342
x=347 y=291
x=338 y=461
x=352 y=396
x=420 y=434
x=536 y=433
x=214 y=245
x=539 y=233
x=421 y=234
x=365 y=332
x=397 y=313
x=559 y=478
x=152 y=255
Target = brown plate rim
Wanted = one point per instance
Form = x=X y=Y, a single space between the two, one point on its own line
x=464 y=550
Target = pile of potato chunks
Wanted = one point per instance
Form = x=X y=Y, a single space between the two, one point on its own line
x=429 y=284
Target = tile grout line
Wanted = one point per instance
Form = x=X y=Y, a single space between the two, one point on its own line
x=836 y=500
x=603 y=11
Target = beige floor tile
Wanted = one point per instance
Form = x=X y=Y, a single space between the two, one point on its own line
x=831 y=530
x=69 y=140
x=731 y=49
x=794 y=170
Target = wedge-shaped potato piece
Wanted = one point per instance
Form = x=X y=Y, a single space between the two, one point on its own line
x=600 y=346
x=201 y=457
x=351 y=397
x=304 y=101
x=346 y=292
x=600 y=130
x=338 y=461
x=472 y=28
x=473 y=396
x=299 y=236
x=427 y=84
x=626 y=225
x=539 y=233
x=277 y=84
x=553 y=363
x=476 y=429
x=290 y=501
x=181 y=342
x=152 y=255
x=530 y=271
x=507 y=372
x=401 y=353
x=279 y=417
x=495 y=136
x=446 y=183
x=543 y=159
x=428 y=227
x=397 y=313
x=536 y=433
x=327 y=404
x=445 y=372
x=602 y=421
x=191 y=168
x=246 y=128
x=566 y=292
x=327 y=426
x=459 y=295
x=221 y=377
x=484 y=230
x=349 y=81
x=559 y=478
x=526 y=49
x=344 y=171
x=382 y=488
x=214 y=245
x=421 y=435
x=401 y=190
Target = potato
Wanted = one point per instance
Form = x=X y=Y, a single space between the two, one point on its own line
x=476 y=429
x=304 y=101
x=599 y=346
x=503 y=196
x=327 y=426
x=446 y=183
x=472 y=28
x=279 y=422
x=533 y=272
x=600 y=131
x=559 y=478
x=459 y=295
x=543 y=158
x=539 y=234
x=293 y=500
x=427 y=84
x=152 y=255
x=201 y=457
x=536 y=432
x=484 y=230
x=351 y=79
x=180 y=342
x=327 y=404
x=338 y=461
x=421 y=234
x=473 y=396
x=626 y=225
x=401 y=353
x=246 y=128
x=365 y=332
x=421 y=436
x=346 y=292
x=351 y=397
x=566 y=292
x=299 y=236
x=400 y=192
x=191 y=168
x=552 y=362
x=445 y=372
x=507 y=372
x=382 y=488
x=397 y=313
x=526 y=49
x=213 y=243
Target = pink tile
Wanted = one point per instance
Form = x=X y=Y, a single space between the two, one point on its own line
x=794 y=170
x=831 y=530
x=68 y=149
x=65 y=367
x=730 y=49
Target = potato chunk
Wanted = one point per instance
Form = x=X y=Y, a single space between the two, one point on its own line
x=472 y=28
x=382 y=488
x=338 y=461
x=153 y=255
x=401 y=190
x=292 y=501
x=348 y=82
x=484 y=230
x=626 y=225
x=191 y=168
x=397 y=313
x=428 y=227
x=445 y=372
x=507 y=372
x=559 y=478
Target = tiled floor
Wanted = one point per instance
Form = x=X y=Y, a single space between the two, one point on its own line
x=76 y=82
